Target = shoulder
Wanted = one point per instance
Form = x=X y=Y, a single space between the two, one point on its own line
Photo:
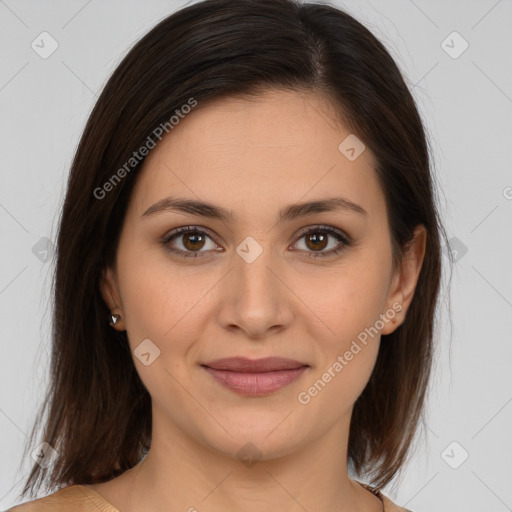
x=389 y=506
x=74 y=498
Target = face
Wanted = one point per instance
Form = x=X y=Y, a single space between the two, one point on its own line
x=252 y=275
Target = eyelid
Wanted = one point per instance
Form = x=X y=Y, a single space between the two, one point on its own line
x=323 y=227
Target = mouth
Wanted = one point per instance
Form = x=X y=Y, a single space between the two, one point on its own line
x=255 y=377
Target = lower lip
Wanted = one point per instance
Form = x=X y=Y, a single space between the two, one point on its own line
x=255 y=384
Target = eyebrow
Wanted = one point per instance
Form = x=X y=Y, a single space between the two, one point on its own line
x=290 y=212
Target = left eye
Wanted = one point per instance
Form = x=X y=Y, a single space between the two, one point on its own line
x=193 y=240
x=317 y=239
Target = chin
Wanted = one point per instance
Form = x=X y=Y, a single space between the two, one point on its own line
x=249 y=440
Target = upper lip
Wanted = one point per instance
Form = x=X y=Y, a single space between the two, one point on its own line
x=243 y=364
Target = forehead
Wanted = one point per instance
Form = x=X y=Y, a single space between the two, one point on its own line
x=278 y=147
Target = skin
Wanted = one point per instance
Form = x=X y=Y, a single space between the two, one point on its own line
x=254 y=158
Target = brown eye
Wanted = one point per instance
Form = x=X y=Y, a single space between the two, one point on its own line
x=193 y=242
x=317 y=239
x=188 y=242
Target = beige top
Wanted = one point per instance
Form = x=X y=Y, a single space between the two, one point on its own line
x=80 y=498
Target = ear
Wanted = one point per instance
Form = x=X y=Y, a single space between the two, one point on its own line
x=110 y=293
x=405 y=279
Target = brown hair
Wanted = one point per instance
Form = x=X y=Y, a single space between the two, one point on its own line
x=98 y=411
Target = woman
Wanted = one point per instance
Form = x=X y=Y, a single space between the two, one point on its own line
x=247 y=274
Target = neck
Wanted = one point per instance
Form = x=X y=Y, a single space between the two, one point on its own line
x=182 y=474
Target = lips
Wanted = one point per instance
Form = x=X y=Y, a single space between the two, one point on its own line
x=255 y=377
x=244 y=365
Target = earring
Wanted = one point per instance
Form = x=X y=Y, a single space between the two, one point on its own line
x=113 y=319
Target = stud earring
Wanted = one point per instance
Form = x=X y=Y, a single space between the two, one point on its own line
x=113 y=319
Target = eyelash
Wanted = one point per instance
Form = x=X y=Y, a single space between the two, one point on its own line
x=343 y=239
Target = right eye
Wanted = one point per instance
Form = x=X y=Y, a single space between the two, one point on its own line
x=191 y=239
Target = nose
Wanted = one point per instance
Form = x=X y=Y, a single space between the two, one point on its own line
x=255 y=297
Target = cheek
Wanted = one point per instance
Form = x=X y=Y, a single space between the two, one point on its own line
x=348 y=298
x=331 y=393
x=348 y=349
x=349 y=305
x=162 y=301
x=165 y=304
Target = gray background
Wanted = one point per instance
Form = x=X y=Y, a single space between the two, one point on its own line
x=466 y=103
